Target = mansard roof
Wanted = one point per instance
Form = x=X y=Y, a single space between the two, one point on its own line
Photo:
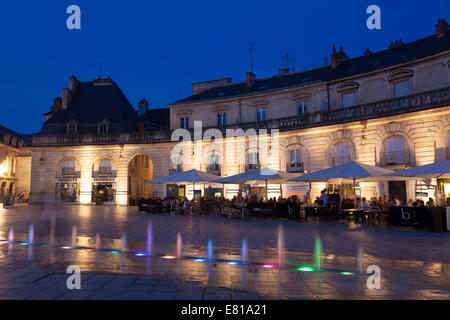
x=91 y=104
x=352 y=67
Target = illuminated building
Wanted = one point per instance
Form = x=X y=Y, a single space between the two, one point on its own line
x=388 y=108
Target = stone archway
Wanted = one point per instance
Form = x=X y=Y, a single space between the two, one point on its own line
x=140 y=169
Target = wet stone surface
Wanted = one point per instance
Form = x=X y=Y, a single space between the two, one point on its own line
x=323 y=260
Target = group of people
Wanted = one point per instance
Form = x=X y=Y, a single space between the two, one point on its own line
x=236 y=207
x=332 y=200
x=242 y=206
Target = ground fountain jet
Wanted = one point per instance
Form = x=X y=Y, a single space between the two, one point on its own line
x=179 y=245
x=30 y=241
x=31 y=234
x=244 y=251
x=317 y=263
x=97 y=241
x=74 y=237
x=210 y=250
x=280 y=245
x=123 y=243
x=210 y=257
x=360 y=259
x=10 y=240
x=318 y=253
x=148 y=243
x=244 y=254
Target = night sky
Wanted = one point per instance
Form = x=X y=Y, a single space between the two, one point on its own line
x=156 y=49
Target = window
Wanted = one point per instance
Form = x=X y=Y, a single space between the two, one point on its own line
x=348 y=99
x=103 y=128
x=185 y=123
x=401 y=89
x=302 y=107
x=177 y=166
x=68 y=167
x=105 y=166
x=213 y=165
x=71 y=128
x=395 y=151
x=253 y=160
x=221 y=119
x=341 y=153
x=260 y=114
x=295 y=163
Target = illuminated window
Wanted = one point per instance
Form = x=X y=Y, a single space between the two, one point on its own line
x=221 y=119
x=185 y=123
x=260 y=114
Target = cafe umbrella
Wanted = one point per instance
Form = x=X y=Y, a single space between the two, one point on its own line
x=348 y=172
x=191 y=176
x=437 y=170
x=257 y=176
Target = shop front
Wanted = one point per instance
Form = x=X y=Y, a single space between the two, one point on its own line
x=103 y=192
x=214 y=191
x=67 y=190
x=176 y=191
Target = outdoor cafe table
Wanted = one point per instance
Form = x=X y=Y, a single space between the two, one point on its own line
x=357 y=213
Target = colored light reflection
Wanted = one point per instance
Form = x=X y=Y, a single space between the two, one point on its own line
x=268 y=266
x=168 y=257
x=114 y=251
x=233 y=262
x=24 y=243
x=346 y=273
x=199 y=260
x=66 y=247
x=43 y=245
x=140 y=254
x=305 y=269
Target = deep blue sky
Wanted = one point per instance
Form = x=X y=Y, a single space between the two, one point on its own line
x=152 y=48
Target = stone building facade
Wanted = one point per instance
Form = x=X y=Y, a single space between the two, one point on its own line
x=390 y=108
x=15 y=164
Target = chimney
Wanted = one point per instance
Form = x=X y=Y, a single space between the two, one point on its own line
x=142 y=107
x=283 y=71
x=367 y=52
x=337 y=57
x=57 y=104
x=103 y=82
x=65 y=98
x=441 y=27
x=73 y=83
x=250 y=79
x=334 y=58
x=68 y=93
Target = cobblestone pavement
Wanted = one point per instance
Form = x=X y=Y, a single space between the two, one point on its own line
x=414 y=264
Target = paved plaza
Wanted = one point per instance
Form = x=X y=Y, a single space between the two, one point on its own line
x=285 y=259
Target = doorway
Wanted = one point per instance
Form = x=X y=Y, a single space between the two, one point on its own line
x=140 y=169
x=397 y=190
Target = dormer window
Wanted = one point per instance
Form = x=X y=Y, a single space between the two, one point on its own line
x=348 y=93
x=348 y=99
x=103 y=127
x=401 y=82
x=72 y=128
x=401 y=89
